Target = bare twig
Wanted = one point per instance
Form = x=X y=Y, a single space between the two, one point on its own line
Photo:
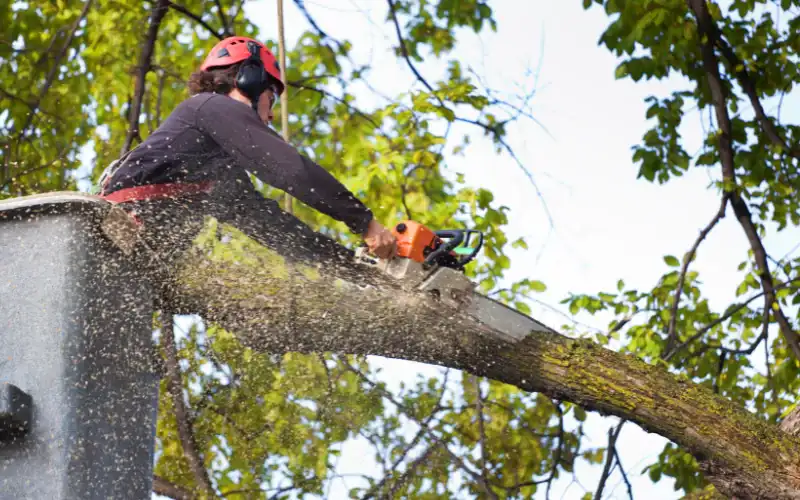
x=185 y=433
x=145 y=61
x=353 y=109
x=482 y=433
x=624 y=474
x=323 y=35
x=191 y=15
x=610 y=454
x=227 y=29
x=671 y=334
x=493 y=129
x=739 y=205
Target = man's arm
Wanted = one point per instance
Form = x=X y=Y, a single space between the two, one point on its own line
x=238 y=130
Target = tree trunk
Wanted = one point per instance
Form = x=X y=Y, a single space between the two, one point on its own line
x=745 y=457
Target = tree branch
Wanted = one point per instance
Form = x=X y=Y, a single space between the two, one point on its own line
x=624 y=474
x=610 y=454
x=672 y=337
x=182 y=420
x=323 y=35
x=227 y=29
x=251 y=300
x=482 y=436
x=51 y=75
x=494 y=130
x=747 y=82
x=740 y=208
x=186 y=12
x=165 y=488
x=145 y=61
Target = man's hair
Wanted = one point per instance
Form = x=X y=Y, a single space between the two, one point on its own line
x=218 y=80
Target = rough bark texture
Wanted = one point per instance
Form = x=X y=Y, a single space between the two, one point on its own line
x=746 y=457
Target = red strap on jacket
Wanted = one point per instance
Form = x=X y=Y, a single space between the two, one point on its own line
x=157 y=191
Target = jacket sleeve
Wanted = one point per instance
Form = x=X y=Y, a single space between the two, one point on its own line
x=237 y=129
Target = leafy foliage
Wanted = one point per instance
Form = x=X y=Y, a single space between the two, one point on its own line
x=275 y=425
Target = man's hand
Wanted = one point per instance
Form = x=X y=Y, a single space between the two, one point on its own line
x=381 y=241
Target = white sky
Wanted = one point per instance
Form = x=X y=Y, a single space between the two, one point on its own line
x=608 y=225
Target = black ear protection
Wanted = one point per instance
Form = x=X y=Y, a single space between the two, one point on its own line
x=252 y=79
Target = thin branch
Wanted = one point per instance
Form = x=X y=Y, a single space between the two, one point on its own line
x=557 y=458
x=185 y=433
x=353 y=109
x=494 y=130
x=323 y=35
x=671 y=334
x=412 y=467
x=165 y=488
x=731 y=311
x=624 y=474
x=159 y=98
x=145 y=61
x=424 y=429
x=186 y=12
x=227 y=29
x=720 y=368
x=482 y=433
x=740 y=208
x=51 y=75
x=746 y=81
x=763 y=336
x=610 y=454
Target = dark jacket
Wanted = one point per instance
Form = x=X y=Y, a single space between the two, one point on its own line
x=212 y=137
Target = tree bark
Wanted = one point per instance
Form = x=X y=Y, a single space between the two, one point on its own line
x=745 y=456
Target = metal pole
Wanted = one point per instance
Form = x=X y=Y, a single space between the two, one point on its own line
x=78 y=388
x=287 y=200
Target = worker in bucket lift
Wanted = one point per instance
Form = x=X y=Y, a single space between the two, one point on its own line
x=197 y=162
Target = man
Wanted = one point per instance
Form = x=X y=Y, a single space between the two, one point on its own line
x=197 y=163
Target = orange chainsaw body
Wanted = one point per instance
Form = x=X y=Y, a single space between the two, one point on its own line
x=414 y=240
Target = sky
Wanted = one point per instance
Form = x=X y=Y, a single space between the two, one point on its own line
x=606 y=224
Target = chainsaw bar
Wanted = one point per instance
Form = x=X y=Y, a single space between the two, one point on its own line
x=451 y=289
x=504 y=321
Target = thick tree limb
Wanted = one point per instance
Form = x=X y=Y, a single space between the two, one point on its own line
x=751 y=457
x=739 y=205
x=145 y=64
x=791 y=424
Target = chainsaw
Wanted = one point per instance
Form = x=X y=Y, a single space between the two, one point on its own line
x=433 y=262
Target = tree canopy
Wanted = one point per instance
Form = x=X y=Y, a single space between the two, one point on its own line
x=99 y=77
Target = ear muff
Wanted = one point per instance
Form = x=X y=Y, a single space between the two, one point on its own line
x=252 y=79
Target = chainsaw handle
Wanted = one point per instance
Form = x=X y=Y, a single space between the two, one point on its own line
x=456 y=236
x=477 y=248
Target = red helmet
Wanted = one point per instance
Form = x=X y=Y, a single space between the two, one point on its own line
x=234 y=49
